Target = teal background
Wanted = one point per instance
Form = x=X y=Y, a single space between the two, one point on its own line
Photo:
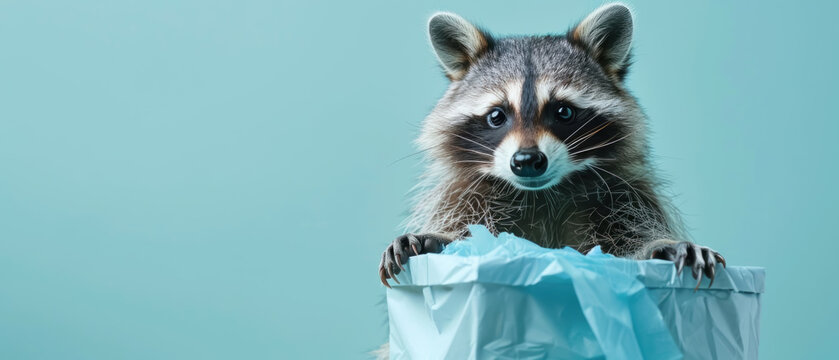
x=216 y=179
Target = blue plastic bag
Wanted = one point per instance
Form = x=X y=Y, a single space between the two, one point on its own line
x=505 y=297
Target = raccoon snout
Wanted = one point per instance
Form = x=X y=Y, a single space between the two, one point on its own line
x=529 y=162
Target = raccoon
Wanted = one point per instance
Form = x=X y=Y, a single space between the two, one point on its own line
x=538 y=136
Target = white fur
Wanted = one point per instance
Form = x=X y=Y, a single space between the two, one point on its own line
x=512 y=91
x=476 y=105
x=583 y=98
x=560 y=163
x=501 y=158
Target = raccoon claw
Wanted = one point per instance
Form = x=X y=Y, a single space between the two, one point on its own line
x=397 y=253
x=383 y=277
x=700 y=259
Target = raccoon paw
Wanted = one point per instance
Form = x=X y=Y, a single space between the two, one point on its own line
x=701 y=259
x=405 y=246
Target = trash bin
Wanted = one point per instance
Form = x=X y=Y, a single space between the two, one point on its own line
x=490 y=297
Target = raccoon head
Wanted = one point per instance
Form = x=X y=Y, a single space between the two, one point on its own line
x=529 y=111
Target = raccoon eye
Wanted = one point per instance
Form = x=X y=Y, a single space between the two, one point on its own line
x=496 y=117
x=565 y=113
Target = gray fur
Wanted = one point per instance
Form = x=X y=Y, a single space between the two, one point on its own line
x=607 y=34
x=456 y=42
x=615 y=203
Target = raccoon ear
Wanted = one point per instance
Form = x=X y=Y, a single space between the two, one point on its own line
x=607 y=35
x=457 y=43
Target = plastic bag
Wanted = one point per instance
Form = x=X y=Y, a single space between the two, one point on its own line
x=505 y=297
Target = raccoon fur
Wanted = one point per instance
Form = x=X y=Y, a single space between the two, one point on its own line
x=538 y=136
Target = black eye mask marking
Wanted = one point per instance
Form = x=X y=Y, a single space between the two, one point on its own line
x=585 y=132
x=474 y=140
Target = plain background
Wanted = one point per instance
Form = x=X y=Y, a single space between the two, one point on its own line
x=217 y=179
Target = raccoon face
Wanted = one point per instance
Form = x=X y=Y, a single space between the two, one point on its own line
x=532 y=110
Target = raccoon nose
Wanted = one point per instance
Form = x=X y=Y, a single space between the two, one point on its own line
x=529 y=162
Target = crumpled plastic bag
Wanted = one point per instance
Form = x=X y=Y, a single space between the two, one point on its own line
x=507 y=298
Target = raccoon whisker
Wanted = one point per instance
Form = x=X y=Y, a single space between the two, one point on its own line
x=472 y=162
x=413 y=125
x=587 y=136
x=474 y=151
x=447 y=131
x=608 y=142
x=595 y=147
x=578 y=141
x=410 y=155
x=578 y=129
x=473 y=141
